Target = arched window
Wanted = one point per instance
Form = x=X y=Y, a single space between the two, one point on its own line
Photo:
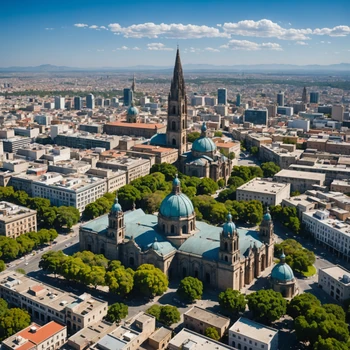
x=183 y=139
x=226 y=246
x=191 y=225
x=174 y=142
x=172 y=229
x=174 y=110
x=183 y=108
x=231 y=247
x=196 y=273
x=163 y=228
x=183 y=124
x=184 y=272
x=184 y=229
x=173 y=125
x=226 y=259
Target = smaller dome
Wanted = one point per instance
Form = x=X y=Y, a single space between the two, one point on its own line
x=204 y=127
x=132 y=110
x=204 y=145
x=155 y=245
x=267 y=216
x=116 y=207
x=282 y=272
x=229 y=227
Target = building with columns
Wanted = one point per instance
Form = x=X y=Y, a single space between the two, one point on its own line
x=175 y=242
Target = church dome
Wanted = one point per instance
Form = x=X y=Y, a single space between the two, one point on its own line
x=267 y=215
x=132 y=110
x=116 y=207
x=229 y=227
x=204 y=144
x=282 y=272
x=176 y=204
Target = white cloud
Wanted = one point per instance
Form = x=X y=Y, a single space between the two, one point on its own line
x=211 y=49
x=103 y=27
x=100 y=50
x=49 y=28
x=302 y=43
x=265 y=29
x=94 y=26
x=136 y=48
x=250 y=46
x=335 y=31
x=158 y=47
x=125 y=48
x=325 y=42
x=80 y=25
x=170 y=31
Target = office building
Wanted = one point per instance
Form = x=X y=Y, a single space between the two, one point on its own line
x=107 y=102
x=51 y=336
x=272 y=110
x=115 y=102
x=338 y=112
x=13 y=144
x=326 y=109
x=248 y=334
x=314 y=97
x=91 y=128
x=222 y=96
x=197 y=101
x=78 y=104
x=45 y=303
x=335 y=281
x=16 y=220
x=198 y=320
x=256 y=116
x=279 y=153
x=27 y=132
x=304 y=96
x=280 y=99
x=238 y=100
x=288 y=111
x=128 y=96
x=299 y=124
x=43 y=119
x=90 y=101
x=265 y=191
x=100 y=101
x=59 y=102
x=210 y=101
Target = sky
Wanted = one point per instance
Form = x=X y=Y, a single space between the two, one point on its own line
x=115 y=33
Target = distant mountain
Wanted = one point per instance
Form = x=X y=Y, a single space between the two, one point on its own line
x=341 y=67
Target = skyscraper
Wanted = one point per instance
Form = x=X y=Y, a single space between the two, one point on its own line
x=177 y=109
x=59 y=102
x=280 y=98
x=222 y=96
x=238 y=100
x=256 y=116
x=128 y=96
x=133 y=85
x=314 y=97
x=77 y=103
x=90 y=101
x=304 y=97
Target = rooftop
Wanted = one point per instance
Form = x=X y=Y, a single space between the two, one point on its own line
x=259 y=185
x=338 y=273
x=207 y=317
x=254 y=330
x=294 y=174
x=10 y=211
x=137 y=125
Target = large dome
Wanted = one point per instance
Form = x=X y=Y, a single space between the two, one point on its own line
x=204 y=144
x=176 y=204
x=282 y=272
x=132 y=110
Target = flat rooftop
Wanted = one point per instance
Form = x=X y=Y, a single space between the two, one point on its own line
x=259 y=185
x=125 y=124
x=254 y=330
x=207 y=317
x=10 y=211
x=294 y=174
x=338 y=273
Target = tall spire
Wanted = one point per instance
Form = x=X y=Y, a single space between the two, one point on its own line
x=304 y=97
x=133 y=85
x=177 y=89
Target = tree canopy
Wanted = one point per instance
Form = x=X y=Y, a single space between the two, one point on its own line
x=270 y=169
x=190 y=289
x=212 y=333
x=232 y=301
x=166 y=314
x=117 y=312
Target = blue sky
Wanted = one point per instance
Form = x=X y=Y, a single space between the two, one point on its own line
x=114 y=33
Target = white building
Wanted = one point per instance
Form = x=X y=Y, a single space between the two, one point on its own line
x=332 y=233
x=299 y=124
x=247 y=334
x=338 y=112
x=335 y=281
x=59 y=102
x=263 y=190
x=197 y=101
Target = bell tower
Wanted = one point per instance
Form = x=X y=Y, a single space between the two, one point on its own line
x=267 y=236
x=229 y=243
x=177 y=110
x=116 y=225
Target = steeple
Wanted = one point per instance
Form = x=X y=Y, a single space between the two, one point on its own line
x=204 y=130
x=133 y=85
x=177 y=89
x=304 y=97
x=176 y=185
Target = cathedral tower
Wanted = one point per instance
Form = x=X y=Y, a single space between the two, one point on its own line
x=116 y=225
x=177 y=110
x=267 y=236
x=229 y=242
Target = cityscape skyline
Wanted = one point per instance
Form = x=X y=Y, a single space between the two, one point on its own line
x=89 y=34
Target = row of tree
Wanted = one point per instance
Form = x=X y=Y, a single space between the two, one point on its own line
x=94 y=269
x=287 y=216
x=47 y=215
x=12 y=248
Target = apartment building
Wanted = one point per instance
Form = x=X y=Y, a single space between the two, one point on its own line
x=263 y=190
x=300 y=181
x=77 y=191
x=332 y=233
x=16 y=220
x=335 y=281
x=250 y=335
x=114 y=178
x=45 y=303
x=160 y=338
x=122 y=128
x=133 y=166
x=198 y=320
x=161 y=154
x=326 y=145
x=28 y=132
x=257 y=140
x=342 y=186
x=13 y=144
x=70 y=166
x=50 y=336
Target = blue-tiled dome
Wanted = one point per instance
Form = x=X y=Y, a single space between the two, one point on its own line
x=176 y=181
x=155 y=245
x=132 y=110
x=229 y=226
x=204 y=145
x=282 y=272
x=267 y=216
x=116 y=206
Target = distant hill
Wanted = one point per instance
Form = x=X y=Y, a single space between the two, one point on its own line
x=341 y=67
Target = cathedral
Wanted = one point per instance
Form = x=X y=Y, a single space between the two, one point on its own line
x=179 y=245
x=203 y=160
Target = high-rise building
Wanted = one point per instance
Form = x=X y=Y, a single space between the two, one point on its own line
x=238 y=100
x=100 y=101
x=133 y=85
x=59 y=102
x=338 y=112
x=90 y=101
x=128 y=96
x=304 y=97
x=314 y=97
x=256 y=116
x=77 y=103
x=280 y=99
x=222 y=96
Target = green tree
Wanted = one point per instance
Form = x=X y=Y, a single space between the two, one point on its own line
x=254 y=150
x=9 y=248
x=302 y=303
x=270 y=169
x=267 y=305
x=91 y=211
x=151 y=202
x=2 y=265
x=218 y=133
x=221 y=183
x=128 y=195
x=97 y=276
x=155 y=310
x=330 y=344
x=190 y=289
x=3 y=307
x=235 y=182
x=53 y=261
x=119 y=280
x=335 y=310
x=232 y=301
x=117 y=312
x=168 y=170
x=212 y=333
x=150 y=281
x=193 y=136
x=207 y=186
x=169 y=315
x=26 y=244
x=295 y=193
x=13 y=321
x=67 y=217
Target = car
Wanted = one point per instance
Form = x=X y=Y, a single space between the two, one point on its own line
x=100 y=297
x=54 y=242
x=26 y=264
x=66 y=245
x=21 y=258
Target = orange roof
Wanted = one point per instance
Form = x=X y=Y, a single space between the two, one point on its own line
x=37 y=288
x=42 y=333
x=26 y=346
x=136 y=125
